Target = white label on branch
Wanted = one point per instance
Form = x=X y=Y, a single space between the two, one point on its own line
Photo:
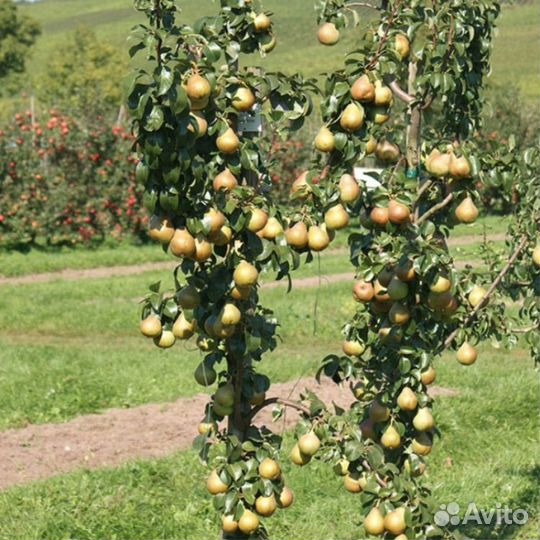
x=250 y=121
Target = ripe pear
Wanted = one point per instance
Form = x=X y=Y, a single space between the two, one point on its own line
x=248 y=523
x=297 y=236
x=225 y=395
x=160 y=229
x=198 y=104
x=353 y=484
x=206 y=344
x=318 y=238
x=349 y=189
x=422 y=444
x=441 y=283
x=460 y=167
x=262 y=22
x=363 y=89
x=328 y=34
x=380 y=291
x=341 y=468
x=229 y=315
x=301 y=184
x=399 y=313
x=398 y=213
x=241 y=293
x=407 y=400
x=228 y=524
x=423 y=420
x=466 y=354
x=378 y=412
x=363 y=291
x=204 y=428
x=476 y=295
x=188 y=297
x=309 y=444
x=203 y=249
x=394 y=521
x=324 y=141
x=374 y=522
x=243 y=99
x=197 y=87
x=383 y=94
x=391 y=438
x=265 y=506
x=228 y=142
x=387 y=151
x=397 y=289
x=215 y=484
x=359 y=390
x=403 y=47
x=438 y=164
x=269 y=469
x=198 y=125
x=405 y=271
x=225 y=181
x=214 y=219
x=536 y=256
x=286 y=497
x=245 y=274
x=182 y=328
x=272 y=229
x=268 y=43
x=428 y=376
x=336 y=217
x=222 y=237
x=380 y=215
x=297 y=457
x=257 y=220
x=371 y=145
x=379 y=114
x=353 y=348
x=182 y=243
x=151 y=326
x=352 y=117
x=204 y=375
x=466 y=211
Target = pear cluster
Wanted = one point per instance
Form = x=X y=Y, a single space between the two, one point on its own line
x=274 y=495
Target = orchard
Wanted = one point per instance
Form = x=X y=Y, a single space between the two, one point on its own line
x=410 y=93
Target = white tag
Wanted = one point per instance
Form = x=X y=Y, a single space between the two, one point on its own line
x=250 y=121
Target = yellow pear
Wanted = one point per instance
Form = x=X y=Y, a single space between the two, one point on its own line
x=466 y=212
x=228 y=142
x=391 y=438
x=407 y=400
x=182 y=328
x=438 y=164
x=160 y=229
x=403 y=47
x=245 y=274
x=165 y=340
x=466 y=354
x=257 y=220
x=423 y=420
x=379 y=114
x=383 y=94
x=318 y=238
x=476 y=295
x=297 y=236
x=398 y=213
x=241 y=293
x=286 y=497
x=151 y=326
x=374 y=522
x=229 y=315
x=203 y=249
x=301 y=184
x=262 y=22
x=223 y=236
x=371 y=145
x=405 y=271
x=265 y=506
x=248 y=523
x=349 y=189
x=394 y=521
x=428 y=376
x=215 y=484
x=297 y=457
x=309 y=444
x=422 y=444
x=399 y=313
x=228 y=524
x=243 y=99
x=197 y=87
x=336 y=217
x=441 y=283
x=269 y=469
x=214 y=219
x=324 y=141
x=352 y=117
x=363 y=89
x=353 y=348
x=460 y=167
x=272 y=229
x=387 y=151
x=328 y=34
x=225 y=181
x=199 y=125
x=182 y=244
x=353 y=484
x=536 y=256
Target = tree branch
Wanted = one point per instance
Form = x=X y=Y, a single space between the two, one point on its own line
x=286 y=402
x=525 y=329
x=521 y=246
x=380 y=481
x=435 y=208
x=400 y=93
x=361 y=5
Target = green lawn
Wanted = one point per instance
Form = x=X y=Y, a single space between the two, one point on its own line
x=490 y=436
x=514 y=58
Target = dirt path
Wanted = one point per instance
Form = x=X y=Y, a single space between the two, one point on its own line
x=149 y=431
x=70 y=274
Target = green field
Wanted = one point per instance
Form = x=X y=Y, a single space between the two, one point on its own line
x=515 y=60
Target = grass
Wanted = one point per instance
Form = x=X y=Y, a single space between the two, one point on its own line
x=295 y=27
x=492 y=445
